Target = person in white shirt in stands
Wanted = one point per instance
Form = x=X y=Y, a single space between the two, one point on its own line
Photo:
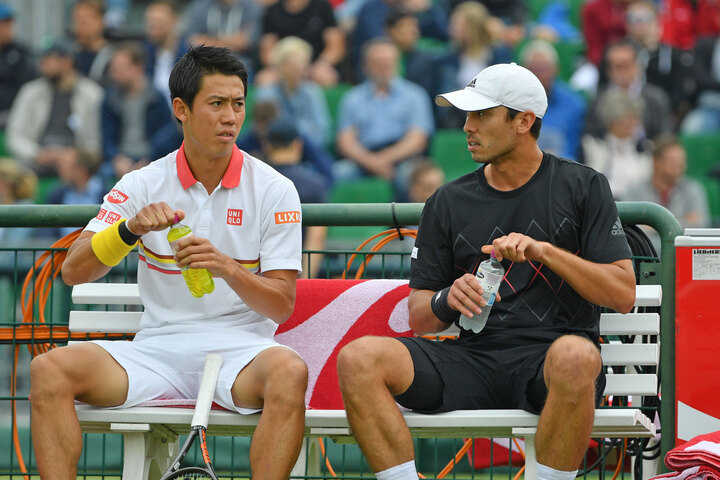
x=246 y=223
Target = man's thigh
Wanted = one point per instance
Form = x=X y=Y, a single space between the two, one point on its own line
x=449 y=376
x=95 y=376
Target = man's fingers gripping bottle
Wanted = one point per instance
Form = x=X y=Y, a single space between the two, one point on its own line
x=199 y=280
x=489 y=274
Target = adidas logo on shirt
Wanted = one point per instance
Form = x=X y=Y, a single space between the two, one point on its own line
x=617 y=228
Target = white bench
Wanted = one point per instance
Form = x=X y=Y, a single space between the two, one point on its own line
x=151 y=433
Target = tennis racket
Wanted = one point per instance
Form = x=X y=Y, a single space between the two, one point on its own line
x=198 y=426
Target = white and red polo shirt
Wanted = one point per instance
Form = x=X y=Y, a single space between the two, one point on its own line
x=252 y=216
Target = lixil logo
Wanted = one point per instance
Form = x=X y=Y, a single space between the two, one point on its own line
x=234 y=216
x=287 y=217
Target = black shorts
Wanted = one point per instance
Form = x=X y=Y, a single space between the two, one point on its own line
x=452 y=375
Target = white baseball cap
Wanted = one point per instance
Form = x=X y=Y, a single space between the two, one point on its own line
x=506 y=84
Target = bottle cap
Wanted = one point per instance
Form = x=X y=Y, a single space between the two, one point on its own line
x=177 y=219
x=492 y=254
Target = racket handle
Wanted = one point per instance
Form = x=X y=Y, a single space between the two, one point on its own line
x=207 y=390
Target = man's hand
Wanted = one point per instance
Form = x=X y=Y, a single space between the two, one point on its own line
x=153 y=218
x=465 y=295
x=196 y=252
x=516 y=247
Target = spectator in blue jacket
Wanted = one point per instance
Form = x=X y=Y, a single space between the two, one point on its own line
x=137 y=124
x=163 y=43
x=372 y=17
x=565 y=116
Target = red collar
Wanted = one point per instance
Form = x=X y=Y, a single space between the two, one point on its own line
x=231 y=178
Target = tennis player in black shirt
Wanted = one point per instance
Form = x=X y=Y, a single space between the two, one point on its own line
x=554 y=225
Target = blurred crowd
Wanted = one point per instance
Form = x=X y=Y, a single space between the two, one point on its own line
x=342 y=90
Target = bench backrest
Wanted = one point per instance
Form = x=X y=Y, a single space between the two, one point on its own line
x=331 y=313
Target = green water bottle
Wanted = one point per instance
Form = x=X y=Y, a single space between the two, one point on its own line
x=198 y=280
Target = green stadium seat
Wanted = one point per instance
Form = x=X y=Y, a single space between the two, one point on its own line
x=44 y=187
x=333 y=95
x=568 y=54
x=247 y=124
x=363 y=190
x=703 y=155
x=448 y=149
x=3 y=147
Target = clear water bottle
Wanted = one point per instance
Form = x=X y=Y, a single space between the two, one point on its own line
x=198 y=280
x=489 y=274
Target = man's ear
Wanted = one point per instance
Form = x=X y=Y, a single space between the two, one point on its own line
x=180 y=109
x=525 y=121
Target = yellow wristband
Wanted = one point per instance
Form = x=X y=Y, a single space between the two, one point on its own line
x=109 y=247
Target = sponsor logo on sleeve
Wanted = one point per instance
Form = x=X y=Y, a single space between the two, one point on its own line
x=101 y=214
x=234 y=216
x=287 y=217
x=112 y=217
x=116 y=196
x=617 y=229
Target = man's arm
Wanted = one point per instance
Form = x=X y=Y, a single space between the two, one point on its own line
x=464 y=296
x=82 y=265
x=334 y=50
x=350 y=147
x=271 y=294
x=610 y=285
x=412 y=143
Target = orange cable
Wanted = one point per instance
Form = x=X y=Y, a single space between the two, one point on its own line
x=466 y=446
x=621 y=460
x=45 y=273
x=390 y=235
x=327 y=460
x=522 y=454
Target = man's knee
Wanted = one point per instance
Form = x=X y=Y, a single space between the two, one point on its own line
x=357 y=357
x=288 y=379
x=370 y=360
x=48 y=379
x=572 y=360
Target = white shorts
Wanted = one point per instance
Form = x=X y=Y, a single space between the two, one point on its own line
x=171 y=365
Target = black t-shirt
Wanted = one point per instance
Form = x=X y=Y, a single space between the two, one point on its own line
x=308 y=24
x=565 y=203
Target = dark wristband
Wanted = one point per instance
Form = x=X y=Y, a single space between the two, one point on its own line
x=441 y=308
x=126 y=235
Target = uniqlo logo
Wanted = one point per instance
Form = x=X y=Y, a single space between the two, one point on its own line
x=101 y=214
x=234 y=216
x=112 y=217
x=116 y=196
x=287 y=217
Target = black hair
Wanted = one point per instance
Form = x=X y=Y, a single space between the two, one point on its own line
x=201 y=60
x=534 y=130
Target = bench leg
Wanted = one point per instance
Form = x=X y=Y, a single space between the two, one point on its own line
x=308 y=462
x=530 y=455
x=148 y=450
